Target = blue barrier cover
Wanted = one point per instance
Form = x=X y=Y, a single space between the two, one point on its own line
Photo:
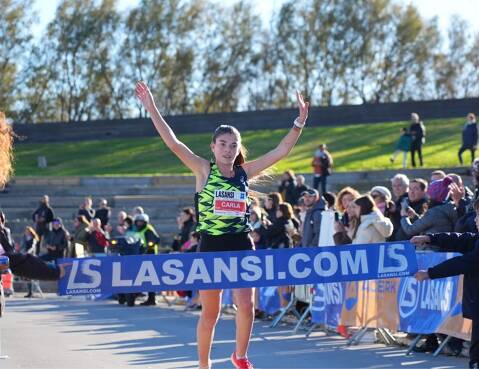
x=424 y=306
x=220 y=270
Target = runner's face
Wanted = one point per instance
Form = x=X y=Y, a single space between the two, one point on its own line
x=226 y=148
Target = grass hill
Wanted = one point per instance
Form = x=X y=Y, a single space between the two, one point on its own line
x=354 y=147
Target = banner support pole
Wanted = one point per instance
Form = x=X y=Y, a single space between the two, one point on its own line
x=441 y=346
x=413 y=344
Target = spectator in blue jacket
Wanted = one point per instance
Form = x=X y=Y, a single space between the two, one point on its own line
x=469 y=137
x=467 y=264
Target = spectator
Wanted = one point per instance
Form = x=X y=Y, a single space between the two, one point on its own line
x=383 y=199
x=463 y=199
x=97 y=238
x=137 y=210
x=257 y=218
x=373 y=226
x=437 y=174
x=468 y=245
x=271 y=204
x=151 y=241
x=86 y=209
x=312 y=221
x=345 y=226
x=287 y=187
x=120 y=227
x=186 y=224
x=417 y=195
x=128 y=244
x=300 y=188
x=79 y=238
x=330 y=199
x=403 y=146
x=400 y=187
x=344 y=198
x=279 y=233
x=30 y=243
x=43 y=216
x=103 y=213
x=440 y=216
x=469 y=137
x=322 y=164
x=56 y=241
x=418 y=134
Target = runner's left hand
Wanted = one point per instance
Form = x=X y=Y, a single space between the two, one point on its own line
x=303 y=108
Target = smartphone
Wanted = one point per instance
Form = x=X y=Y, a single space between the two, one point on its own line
x=345 y=219
x=336 y=216
x=405 y=203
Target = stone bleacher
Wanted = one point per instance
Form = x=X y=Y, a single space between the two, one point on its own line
x=161 y=197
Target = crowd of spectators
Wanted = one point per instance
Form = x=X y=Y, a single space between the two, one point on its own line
x=297 y=215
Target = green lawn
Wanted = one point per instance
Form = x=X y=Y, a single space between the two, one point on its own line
x=354 y=147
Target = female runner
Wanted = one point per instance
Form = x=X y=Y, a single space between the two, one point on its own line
x=223 y=224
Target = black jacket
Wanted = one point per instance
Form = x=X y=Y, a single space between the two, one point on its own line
x=418 y=132
x=467 y=264
x=59 y=239
x=469 y=135
x=45 y=212
x=276 y=234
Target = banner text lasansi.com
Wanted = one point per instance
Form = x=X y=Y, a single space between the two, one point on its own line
x=220 y=270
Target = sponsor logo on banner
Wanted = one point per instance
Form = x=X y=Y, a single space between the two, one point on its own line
x=326 y=294
x=433 y=295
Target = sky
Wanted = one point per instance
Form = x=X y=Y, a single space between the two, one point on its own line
x=443 y=9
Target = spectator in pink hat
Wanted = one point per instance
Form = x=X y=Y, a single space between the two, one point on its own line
x=441 y=215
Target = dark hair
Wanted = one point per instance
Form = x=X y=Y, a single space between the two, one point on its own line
x=190 y=212
x=330 y=199
x=196 y=235
x=276 y=198
x=129 y=221
x=290 y=174
x=286 y=209
x=422 y=183
x=227 y=129
x=366 y=204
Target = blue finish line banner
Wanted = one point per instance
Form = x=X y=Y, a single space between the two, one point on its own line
x=222 y=270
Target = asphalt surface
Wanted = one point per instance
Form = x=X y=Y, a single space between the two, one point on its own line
x=58 y=333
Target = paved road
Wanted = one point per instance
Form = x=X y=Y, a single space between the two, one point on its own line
x=57 y=333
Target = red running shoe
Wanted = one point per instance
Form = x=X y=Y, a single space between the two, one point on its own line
x=240 y=363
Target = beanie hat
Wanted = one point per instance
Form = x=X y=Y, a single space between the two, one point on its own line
x=383 y=191
x=438 y=190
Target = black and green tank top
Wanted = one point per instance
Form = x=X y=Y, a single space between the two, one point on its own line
x=223 y=204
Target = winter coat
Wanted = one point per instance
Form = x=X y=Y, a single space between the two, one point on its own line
x=374 y=228
x=59 y=239
x=418 y=132
x=468 y=245
x=440 y=218
x=469 y=135
x=404 y=142
x=287 y=190
x=277 y=235
x=312 y=224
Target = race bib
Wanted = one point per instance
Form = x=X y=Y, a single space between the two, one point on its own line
x=230 y=203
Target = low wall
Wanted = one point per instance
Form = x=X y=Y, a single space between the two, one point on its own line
x=250 y=120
